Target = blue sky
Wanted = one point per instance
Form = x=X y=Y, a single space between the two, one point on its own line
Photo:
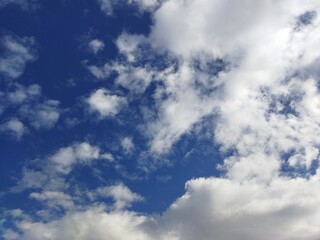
x=151 y=119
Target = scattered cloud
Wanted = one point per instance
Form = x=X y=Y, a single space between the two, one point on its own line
x=65 y=158
x=25 y=5
x=108 y=6
x=23 y=94
x=25 y=104
x=96 y=46
x=122 y=196
x=54 y=199
x=50 y=173
x=127 y=145
x=17 y=53
x=43 y=115
x=14 y=127
x=105 y=103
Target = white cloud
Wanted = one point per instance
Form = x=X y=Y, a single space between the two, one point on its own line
x=30 y=4
x=122 y=196
x=17 y=53
x=42 y=176
x=226 y=209
x=127 y=45
x=261 y=50
x=96 y=46
x=54 y=199
x=22 y=93
x=105 y=103
x=211 y=208
x=31 y=179
x=127 y=144
x=99 y=72
x=136 y=79
x=64 y=159
x=93 y=223
x=184 y=106
x=28 y=104
x=14 y=127
x=145 y=5
x=42 y=115
x=84 y=153
x=263 y=115
x=107 y=6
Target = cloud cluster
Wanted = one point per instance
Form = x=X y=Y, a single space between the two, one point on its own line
x=265 y=99
x=24 y=107
x=210 y=209
x=251 y=64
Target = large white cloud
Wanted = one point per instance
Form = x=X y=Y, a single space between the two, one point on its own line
x=266 y=103
x=218 y=209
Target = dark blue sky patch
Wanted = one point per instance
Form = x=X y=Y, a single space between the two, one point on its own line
x=305 y=19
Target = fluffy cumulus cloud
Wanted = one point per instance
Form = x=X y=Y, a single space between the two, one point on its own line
x=17 y=52
x=210 y=209
x=265 y=100
x=93 y=223
x=105 y=103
